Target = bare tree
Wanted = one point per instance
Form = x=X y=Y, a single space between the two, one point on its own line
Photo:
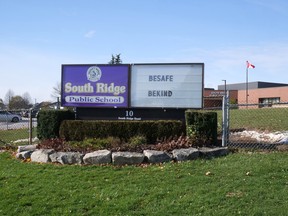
x=17 y=102
x=56 y=91
x=2 y=106
x=26 y=96
x=8 y=97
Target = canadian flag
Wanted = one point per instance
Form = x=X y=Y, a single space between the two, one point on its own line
x=249 y=65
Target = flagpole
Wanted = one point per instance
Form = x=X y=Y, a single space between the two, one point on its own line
x=247 y=86
x=249 y=65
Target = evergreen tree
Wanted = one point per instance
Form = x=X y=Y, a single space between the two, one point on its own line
x=118 y=59
x=115 y=59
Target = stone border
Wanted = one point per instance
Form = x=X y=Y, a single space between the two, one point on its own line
x=30 y=152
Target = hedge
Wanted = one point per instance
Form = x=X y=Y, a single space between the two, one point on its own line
x=79 y=130
x=202 y=126
x=49 y=121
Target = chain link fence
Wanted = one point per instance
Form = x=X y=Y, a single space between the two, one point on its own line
x=250 y=125
x=19 y=127
x=255 y=125
x=16 y=128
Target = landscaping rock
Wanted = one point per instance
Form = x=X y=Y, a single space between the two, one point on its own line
x=129 y=158
x=117 y=158
x=69 y=158
x=98 y=157
x=42 y=155
x=54 y=157
x=213 y=152
x=26 y=148
x=23 y=155
x=185 y=154
x=156 y=156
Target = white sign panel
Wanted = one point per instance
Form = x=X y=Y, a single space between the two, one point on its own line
x=167 y=85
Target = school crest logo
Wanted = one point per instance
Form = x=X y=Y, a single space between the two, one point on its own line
x=94 y=74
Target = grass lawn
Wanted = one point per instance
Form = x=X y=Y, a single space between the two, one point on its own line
x=9 y=136
x=239 y=184
x=270 y=119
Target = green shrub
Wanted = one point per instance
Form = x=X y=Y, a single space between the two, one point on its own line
x=137 y=140
x=49 y=121
x=202 y=127
x=96 y=143
x=79 y=130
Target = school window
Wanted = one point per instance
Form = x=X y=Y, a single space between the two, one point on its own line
x=268 y=102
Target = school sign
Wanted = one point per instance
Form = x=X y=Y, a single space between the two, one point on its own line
x=95 y=86
x=133 y=85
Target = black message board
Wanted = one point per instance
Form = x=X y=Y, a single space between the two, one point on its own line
x=133 y=114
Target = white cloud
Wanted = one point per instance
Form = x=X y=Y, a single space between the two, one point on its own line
x=229 y=63
x=90 y=34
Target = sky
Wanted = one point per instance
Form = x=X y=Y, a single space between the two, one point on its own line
x=38 y=36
